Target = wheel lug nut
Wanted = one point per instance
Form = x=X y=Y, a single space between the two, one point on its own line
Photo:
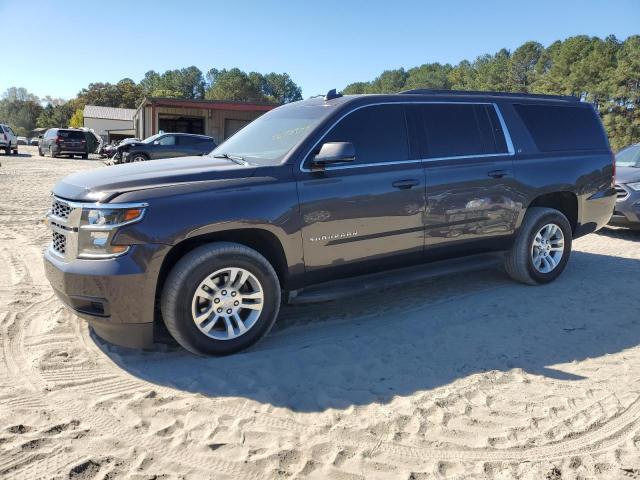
x=219 y=310
x=236 y=303
x=216 y=300
x=233 y=294
x=229 y=311
x=224 y=292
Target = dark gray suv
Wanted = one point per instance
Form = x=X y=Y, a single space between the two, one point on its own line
x=627 y=209
x=314 y=198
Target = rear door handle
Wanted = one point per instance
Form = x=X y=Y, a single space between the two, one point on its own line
x=405 y=184
x=497 y=173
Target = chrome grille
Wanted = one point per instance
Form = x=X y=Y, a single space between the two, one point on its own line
x=621 y=193
x=59 y=209
x=59 y=243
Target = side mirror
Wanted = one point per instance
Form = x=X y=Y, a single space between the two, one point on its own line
x=334 y=152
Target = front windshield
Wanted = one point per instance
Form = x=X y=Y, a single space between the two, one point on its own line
x=268 y=139
x=629 y=157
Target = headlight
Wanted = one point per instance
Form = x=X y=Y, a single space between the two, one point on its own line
x=634 y=186
x=98 y=227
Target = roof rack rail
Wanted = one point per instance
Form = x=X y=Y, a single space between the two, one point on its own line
x=426 y=91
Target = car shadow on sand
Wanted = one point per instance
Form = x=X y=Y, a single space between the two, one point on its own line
x=408 y=339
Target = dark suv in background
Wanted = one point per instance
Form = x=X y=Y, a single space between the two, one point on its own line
x=627 y=210
x=63 y=141
x=164 y=145
x=315 y=199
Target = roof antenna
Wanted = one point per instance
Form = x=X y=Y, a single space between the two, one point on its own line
x=331 y=94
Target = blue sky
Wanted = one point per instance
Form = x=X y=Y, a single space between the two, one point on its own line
x=58 y=47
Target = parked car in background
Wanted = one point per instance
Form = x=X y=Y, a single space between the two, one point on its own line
x=303 y=201
x=626 y=213
x=164 y=145
x=22 y=140
x=8 y=139
x=63 y=141
x=111 y=150
x=34 y=141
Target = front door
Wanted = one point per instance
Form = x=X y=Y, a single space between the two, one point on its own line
x=471 y=192
x=165 y=147
x=367 y=214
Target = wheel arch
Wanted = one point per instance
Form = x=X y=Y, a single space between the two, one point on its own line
x=563 y=201
x=263 y=241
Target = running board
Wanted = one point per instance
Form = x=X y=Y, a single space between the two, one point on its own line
x=348 y=287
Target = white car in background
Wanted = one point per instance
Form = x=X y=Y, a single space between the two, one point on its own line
x=8 y=140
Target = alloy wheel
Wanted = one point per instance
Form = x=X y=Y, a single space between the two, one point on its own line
x=227 y=303
x=547 y=248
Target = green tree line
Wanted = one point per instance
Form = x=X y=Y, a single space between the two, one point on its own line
x=603 y=72
x=24 y=111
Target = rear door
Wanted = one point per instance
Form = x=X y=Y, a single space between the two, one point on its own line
x=471 y=194
x=361 y=215
x=72 y=141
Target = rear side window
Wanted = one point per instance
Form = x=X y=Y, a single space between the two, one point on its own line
x=454 y=130
x=378 y=133
x=186 y=140
x=562 y=128
x=71 y=134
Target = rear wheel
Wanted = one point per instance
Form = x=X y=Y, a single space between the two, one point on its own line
x=40 y=152
x=85 y=156
x=220 y=298
x=542 y=247
x=53 y=155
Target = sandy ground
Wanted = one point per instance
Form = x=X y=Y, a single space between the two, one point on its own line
x=471 y=376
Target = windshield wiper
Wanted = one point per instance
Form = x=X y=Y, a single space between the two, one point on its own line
x=234 y=158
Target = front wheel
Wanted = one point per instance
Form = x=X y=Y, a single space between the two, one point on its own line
x=542 y=247
x=220 y=298
x=138 y=157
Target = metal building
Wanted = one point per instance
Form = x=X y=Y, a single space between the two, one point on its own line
x=108 y=122
x=218 y=119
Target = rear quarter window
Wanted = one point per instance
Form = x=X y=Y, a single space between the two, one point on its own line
x=557 y=128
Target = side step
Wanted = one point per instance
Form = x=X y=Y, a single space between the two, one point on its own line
x=348 y=287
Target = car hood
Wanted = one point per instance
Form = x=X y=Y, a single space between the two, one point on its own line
x=103 y=184
x=627 y=174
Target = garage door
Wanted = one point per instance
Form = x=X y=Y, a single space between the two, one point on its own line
x=231 y=126
x=181 y=124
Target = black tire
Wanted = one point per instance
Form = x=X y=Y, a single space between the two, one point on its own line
x=518 y=261
x=7 y=151
x=85 y=156
x=40 y=152
x=53 y=155
x=185 y=277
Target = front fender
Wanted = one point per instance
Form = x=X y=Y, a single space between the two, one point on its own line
x=266 y=201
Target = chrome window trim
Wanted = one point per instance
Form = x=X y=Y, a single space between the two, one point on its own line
x=505 y=132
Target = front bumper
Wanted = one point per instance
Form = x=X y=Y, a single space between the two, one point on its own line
x=626 y=212
x=116 y=296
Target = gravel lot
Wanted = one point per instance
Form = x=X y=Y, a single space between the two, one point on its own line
x=471 y=376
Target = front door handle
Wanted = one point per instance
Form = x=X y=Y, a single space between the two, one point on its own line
x=405 y=184
x=497 y=173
